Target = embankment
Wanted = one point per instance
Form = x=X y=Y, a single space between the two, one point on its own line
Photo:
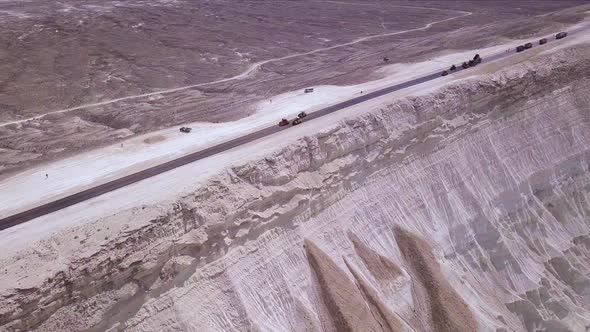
x=464 y=208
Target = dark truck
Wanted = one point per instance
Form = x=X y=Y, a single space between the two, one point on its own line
x=519 y=48
x=543 y=41
x=308 y=90
x=528 y=45
x=561 y=35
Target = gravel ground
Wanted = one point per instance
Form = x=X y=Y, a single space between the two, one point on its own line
x=459 y=206
x=59 y=56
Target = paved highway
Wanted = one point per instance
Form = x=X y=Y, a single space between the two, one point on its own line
x=152 y=171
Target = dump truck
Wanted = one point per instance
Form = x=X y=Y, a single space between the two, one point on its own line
x=477 y=59
x=185 y=130
x=519 y=48
x=543 y=41
x=301 y=115
x=296 y=121
x=561 y=35
x=283 y=122
x=308 y=90
x=528 y=45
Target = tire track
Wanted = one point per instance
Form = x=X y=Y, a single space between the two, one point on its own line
x=252 y=69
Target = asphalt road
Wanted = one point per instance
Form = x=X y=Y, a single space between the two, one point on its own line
x=152 y=171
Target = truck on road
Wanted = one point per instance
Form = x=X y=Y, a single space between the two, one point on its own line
x=561 y=35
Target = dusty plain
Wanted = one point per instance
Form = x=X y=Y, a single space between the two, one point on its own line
x=460 y=204
x=63 y=55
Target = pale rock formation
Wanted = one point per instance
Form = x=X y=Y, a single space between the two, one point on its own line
x=460 y=209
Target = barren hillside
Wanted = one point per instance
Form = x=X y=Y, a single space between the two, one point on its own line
x=453 y=209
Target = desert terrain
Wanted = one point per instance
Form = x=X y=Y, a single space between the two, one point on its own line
x=119 y=69
x=459 y=204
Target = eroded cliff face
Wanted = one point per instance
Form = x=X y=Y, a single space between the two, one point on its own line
x=466 y=208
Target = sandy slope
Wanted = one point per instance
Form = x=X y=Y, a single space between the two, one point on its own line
x=455 y=207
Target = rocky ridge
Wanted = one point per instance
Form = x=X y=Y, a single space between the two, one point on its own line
x=463 y=208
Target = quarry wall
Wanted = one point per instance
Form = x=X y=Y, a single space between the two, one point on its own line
x=459 y=209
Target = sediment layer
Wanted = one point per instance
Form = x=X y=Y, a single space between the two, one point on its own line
x=463 y=208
